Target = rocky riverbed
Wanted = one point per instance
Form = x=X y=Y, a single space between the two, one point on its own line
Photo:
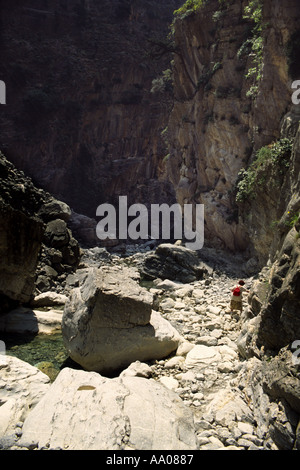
x=206 y=368
x=205 y=391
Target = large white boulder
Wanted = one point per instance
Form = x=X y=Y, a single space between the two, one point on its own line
x=85 y=411
x=108 y=323
x=201 y=356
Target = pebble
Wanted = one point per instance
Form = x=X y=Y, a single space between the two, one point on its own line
x=245 y=428
x=207 y=341
x=186 y=377
x=226 y=367
x=169 y=382
x=174 y=362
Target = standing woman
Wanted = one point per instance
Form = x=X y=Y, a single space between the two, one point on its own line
x=236 y=302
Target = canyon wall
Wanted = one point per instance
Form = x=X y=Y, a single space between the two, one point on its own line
x=221 y=118
x=84 y=120
x=80 y=117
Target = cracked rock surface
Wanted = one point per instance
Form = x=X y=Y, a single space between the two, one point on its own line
x=111 y=414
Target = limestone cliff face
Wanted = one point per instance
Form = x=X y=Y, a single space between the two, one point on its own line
x=80 y=117
x=268 y=217
x=216 y=125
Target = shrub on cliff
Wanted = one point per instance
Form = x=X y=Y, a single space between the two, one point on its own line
x=270 y=161
x=188 y=7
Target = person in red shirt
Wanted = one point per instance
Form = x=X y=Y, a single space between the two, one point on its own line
x=236 y=302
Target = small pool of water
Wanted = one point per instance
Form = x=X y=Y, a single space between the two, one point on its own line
x=34 y=349
x=39 y=349
x=148 y=284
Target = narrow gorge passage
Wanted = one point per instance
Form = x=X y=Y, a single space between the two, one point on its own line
x=207 y=367
x=188 y=103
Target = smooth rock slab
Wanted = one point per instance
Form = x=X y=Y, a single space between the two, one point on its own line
x=169 y=382
x=21 y=387
x=85 y=411
x=49 y=299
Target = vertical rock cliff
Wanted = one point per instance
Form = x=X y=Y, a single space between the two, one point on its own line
x=80 y=117
x=232 y=86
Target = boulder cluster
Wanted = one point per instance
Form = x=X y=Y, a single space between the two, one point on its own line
x=154 y=368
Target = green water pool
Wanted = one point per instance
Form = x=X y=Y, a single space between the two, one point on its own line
x=38 y=349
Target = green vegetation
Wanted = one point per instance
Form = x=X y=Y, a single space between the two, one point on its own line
x=166 y=158
x=270 y=161
x=165 y=136
x=253 y=11
x=163 y=83
x=290 y=220
x=193 y=6
x=188 y=7
x=293 y=219
x=218 y=15
x=254 y=45
x=208 y=74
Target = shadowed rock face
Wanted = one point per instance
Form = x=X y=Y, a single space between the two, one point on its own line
x=21 y=235
x=81 y=118
x=176 y=263
x=280 y=324
x=18 y=253
x=28 y=246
